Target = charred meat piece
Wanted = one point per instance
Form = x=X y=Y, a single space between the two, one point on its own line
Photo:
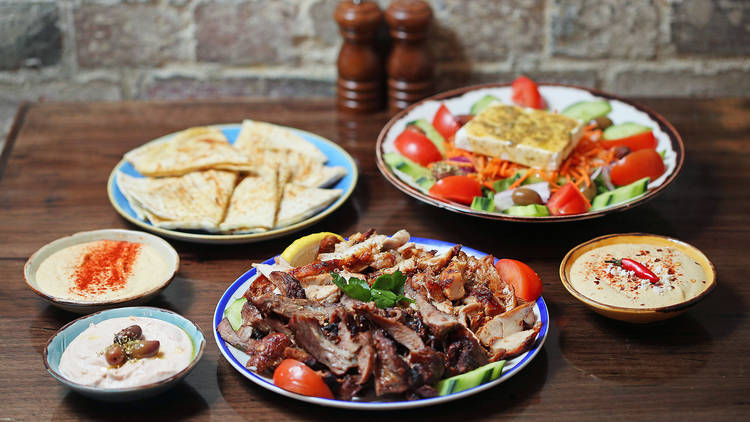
x=464 y=353
x=241 y=339
x=259 y=287
x=427 y=365
x=390 y=321
x=310 y=336
x=348 y=388
x=481 y=293
x=366 y=357
x=251 y=316
x=287 y=307
x=484 y=273
x=392 y=373
x=440 y=323
x=293 y=352
x=423 y=392
x=452 y=279
x=328 y=244
x=268 y=353
x=287 y=284
x=316 y=268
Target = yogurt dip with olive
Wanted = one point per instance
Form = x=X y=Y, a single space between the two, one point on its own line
x=84 y=361
x=680 y=277
x=102 y=270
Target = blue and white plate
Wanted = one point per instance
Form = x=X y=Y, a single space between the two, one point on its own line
x=59 y=342
x=337 y=156
x=237 y=358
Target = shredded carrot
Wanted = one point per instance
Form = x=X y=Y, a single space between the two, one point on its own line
x=518 y=182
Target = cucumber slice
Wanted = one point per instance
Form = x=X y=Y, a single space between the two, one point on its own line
x=234 y=313
x=405 y=165
x=623 y=130
x=431 y=133
x=480 y=105
x=483 y=203
x=587 y=111
x=426 y=183
x=620 y=195
x=504 y=184
x=471 y=379
x=532 y=210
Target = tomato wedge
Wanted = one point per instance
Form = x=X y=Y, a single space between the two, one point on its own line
x=568 y=200
x=445 y=122
x=461 y=189
x=293 y=375
x=637 y=165
x=416 y=146
x=525 y=281
x=526 y=93
x=636 y=142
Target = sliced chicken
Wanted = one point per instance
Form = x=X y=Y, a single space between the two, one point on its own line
x=507 y=324
x=513 y=345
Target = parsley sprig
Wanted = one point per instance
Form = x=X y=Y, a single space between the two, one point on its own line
x=386 y=291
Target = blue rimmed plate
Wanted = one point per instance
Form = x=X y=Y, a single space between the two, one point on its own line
x=237 y=358
x=337 y=156
x=59 y=342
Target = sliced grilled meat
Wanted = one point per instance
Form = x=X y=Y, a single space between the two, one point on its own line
x=366 y=357
x=287 y=307
x=427 y=365
x=268 y=353
x=390 y=321
x=310 y=336
x=452 y=280
x=440 y=323
x=328 y=244
x=251 y=316
x=464 y=353
x=392 y=373
x=242 y=339
x=287 y=284
x=259 y=287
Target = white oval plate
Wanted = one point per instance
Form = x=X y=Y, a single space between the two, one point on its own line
x=238 y=358
x=337 y=156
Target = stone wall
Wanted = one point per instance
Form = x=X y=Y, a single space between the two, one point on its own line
x=176 y=49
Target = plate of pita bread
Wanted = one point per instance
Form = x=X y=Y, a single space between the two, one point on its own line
x=232 y=183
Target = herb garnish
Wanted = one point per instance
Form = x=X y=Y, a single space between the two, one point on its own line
x=386 y=291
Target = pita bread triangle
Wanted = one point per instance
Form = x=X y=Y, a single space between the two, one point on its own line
x=254 y=203
x=300 y=202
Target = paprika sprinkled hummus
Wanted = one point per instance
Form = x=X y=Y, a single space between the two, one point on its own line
x=102 y=270
x=597 y=275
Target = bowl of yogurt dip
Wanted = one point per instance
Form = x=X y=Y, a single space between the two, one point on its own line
x=637 y=277
x=95 y=270
x=164 y=349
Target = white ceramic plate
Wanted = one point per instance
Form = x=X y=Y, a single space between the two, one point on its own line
x=163 y=248
x=336 y=157
x=237 y=358
x=558 y=97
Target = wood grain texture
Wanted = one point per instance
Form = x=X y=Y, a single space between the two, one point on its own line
x=694 y=367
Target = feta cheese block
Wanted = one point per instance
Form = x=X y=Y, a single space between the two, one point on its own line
x=534 y=138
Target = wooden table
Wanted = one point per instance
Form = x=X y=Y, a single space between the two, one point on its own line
x=57 y=160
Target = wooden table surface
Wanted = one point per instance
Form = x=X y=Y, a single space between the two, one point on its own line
x=694 y=367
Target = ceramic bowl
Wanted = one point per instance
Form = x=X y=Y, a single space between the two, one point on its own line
x=59 y=342
x=637 y=315
x=165 y=250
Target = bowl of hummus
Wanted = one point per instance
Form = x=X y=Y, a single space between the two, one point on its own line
x=124 y=354
x=95 y=270
x=637 y=277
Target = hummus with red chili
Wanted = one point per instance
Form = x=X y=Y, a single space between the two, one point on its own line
x=102 y=270
x=680 y=278
x=84 y=361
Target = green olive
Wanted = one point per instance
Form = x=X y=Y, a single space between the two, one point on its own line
x=603 y=122
x=526 y=196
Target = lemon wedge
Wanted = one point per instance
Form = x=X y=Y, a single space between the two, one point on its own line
x=304 y=250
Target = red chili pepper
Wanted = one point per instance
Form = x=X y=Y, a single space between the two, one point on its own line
x=639 y=269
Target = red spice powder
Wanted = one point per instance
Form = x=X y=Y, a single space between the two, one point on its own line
x=106 y=266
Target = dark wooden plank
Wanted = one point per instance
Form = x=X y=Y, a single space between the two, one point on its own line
x=690 y=368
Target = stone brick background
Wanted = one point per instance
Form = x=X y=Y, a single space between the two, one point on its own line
x=179 y=49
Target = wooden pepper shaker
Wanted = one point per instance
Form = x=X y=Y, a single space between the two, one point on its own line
x=360 y=68
x=410 y=66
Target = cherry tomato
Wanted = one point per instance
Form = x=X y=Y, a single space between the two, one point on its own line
x=416 y=146
x=526 y=93
x=293 y=375
x=461 y=189
x=567 y=200
x=636 y=142
x=637 y=165
x=525 y=281
x=445 y=122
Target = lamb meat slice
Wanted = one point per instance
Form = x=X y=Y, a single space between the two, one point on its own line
x=507 y=323
x=287 y=284
x=241 y=339
x=423 y=392
x=279 y=327
x=288 y=307
x=268 y=353
x=392 y=373
x=390 y=321
x=251 y=316
x=366 y=357
x=464 y=353
x=427 y=365
x=348 y=388
x=296 y=353
x=513 y=345
x=309 y=335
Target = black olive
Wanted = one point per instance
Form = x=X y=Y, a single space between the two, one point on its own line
x=525 y=196
x=621 y=151
x=603 y=122
x=127 y=334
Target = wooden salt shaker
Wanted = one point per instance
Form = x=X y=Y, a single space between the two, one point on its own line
x=360 y=68
x=410 y=66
